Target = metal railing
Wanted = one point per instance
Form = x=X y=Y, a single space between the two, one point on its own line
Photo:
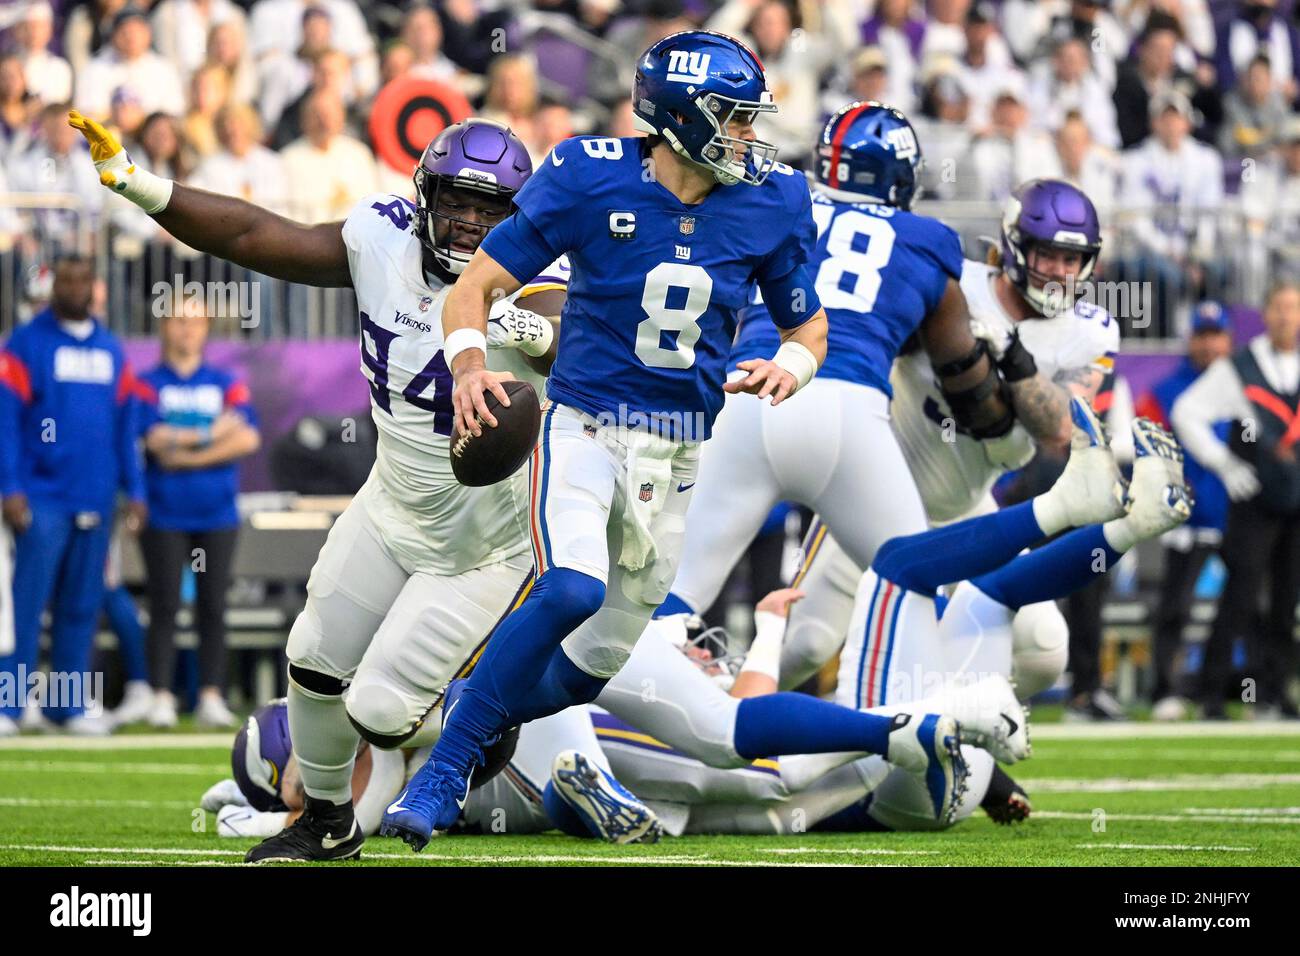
x=142 y=268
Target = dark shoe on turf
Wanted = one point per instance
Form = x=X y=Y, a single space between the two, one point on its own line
x=325 y=831
x=1005 y=801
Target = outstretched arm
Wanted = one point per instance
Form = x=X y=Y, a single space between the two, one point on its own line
x=230 y=228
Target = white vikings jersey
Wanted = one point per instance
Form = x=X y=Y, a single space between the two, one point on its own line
x=452 y=527
x=951 y=470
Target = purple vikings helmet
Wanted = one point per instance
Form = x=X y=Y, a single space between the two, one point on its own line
x=477 y=154
x=261 y=753
x=1047 y=212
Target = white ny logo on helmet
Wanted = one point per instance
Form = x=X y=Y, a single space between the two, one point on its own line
x=903 y=141
x=688 y=66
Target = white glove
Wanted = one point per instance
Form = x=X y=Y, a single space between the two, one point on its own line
x=1239 y=478
x=511 y=327
x=225 y=793
x=1013 y=450
x=997 y=338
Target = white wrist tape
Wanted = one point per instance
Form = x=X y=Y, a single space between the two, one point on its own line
x=764 y=655
x=798 y=361
x=132 y=181
x=459 y=341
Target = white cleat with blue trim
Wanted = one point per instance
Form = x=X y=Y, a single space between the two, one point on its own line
x=605 y=806
x=929 y=745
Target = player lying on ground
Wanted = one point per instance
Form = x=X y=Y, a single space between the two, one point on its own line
x=1031 y=309
x=560 y=776
x=885 y=275
x=979 y=633
x=265 y=795
x=418 y=568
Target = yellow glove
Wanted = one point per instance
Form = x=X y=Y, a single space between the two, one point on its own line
x=116 y=169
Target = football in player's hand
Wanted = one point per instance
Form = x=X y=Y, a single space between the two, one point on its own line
x=499 y=452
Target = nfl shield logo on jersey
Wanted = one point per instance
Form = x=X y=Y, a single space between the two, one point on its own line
x=687 y=225
x=647 y=491
x=425 y=302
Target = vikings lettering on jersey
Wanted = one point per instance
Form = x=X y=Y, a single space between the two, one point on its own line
x=879 y=271
x=656 y=284
x=401 y=318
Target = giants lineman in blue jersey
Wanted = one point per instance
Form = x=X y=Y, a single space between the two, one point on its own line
x=882 y=273
x=665 y=237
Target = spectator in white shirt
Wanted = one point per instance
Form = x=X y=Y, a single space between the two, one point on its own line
x=1068 y=84
x=1171 y=194
x=1009 y=153
x=228 y=49
x=1092 y=168
x=286 y=76
x=942 y=132
x=49 y=77
x=422 y=32
x=327 y=171
x=1271 y=202
x=58 y=164
x=128 y=61
x=278 y=25
x=243 y=167
x=209 y=93
x=945 y=29
x=893 y=28
x=181 y=28
x=867 y=79
x=986 y=64
x=1253 y=115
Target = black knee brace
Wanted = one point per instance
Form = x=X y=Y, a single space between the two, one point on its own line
x=316 y=682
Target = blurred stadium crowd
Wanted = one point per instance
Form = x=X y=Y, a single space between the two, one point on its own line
x=1178 y=117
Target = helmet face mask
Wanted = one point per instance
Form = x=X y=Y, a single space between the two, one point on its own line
x=456 y=217
x=464 y=185
x=692 y=89
x=1046 y=215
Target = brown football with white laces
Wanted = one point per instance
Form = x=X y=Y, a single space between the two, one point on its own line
x=499 y=452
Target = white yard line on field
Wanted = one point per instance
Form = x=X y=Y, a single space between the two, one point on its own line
x=87 y=766
x=1137 y=730
x=1183 y=847
x=123 y=742
x=529 y=858
x=1182 y=781
x=43 y=802
x=1164 y=817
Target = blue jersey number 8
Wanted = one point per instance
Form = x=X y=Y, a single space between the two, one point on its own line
x=680 y=321
x=861 y=267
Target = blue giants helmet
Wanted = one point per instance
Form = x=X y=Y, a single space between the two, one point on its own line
x=688 y=86
x=1053 y=213
x=869 y=153
x=261 y=753
x=477 y=154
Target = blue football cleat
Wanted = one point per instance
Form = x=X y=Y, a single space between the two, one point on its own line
x=435 y=796
x=604 y=805
x=431 y=801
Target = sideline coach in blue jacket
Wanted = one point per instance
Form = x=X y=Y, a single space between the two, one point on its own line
x=67 y=447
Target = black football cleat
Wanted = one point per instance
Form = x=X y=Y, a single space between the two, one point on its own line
x=324 y=832
x=1005 y=801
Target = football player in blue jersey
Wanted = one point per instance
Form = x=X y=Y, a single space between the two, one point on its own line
x=882 y=273
x=666 y=236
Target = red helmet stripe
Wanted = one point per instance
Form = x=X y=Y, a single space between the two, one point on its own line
x=837 y=140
